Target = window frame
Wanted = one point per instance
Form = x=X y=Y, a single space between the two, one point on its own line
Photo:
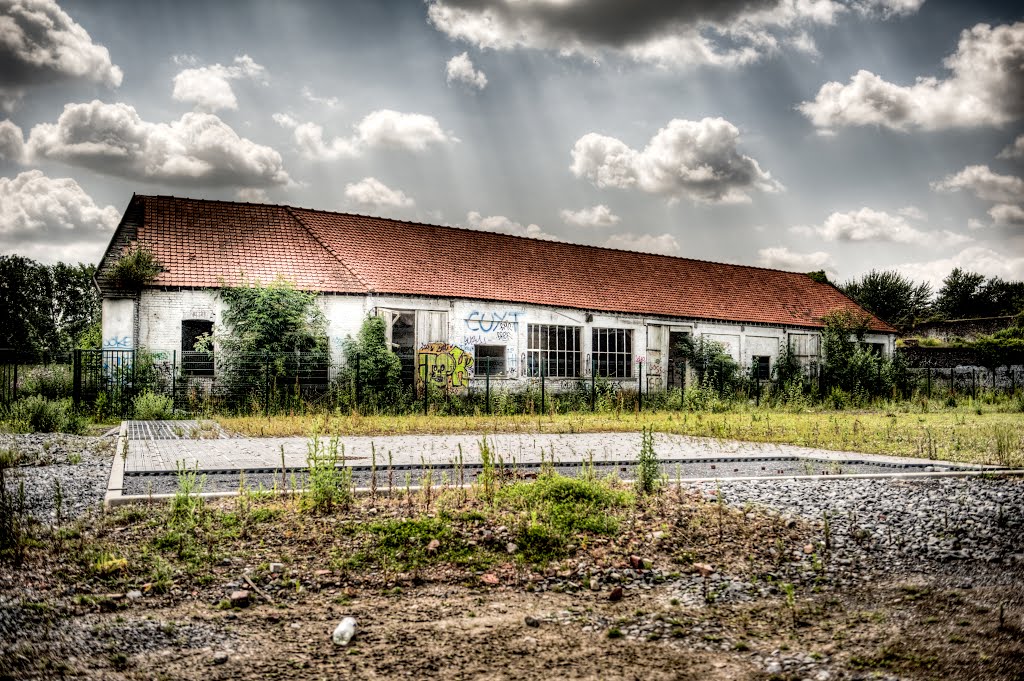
x=480 y=367
x=611 y=352
x=755 y=361
x=555 y=349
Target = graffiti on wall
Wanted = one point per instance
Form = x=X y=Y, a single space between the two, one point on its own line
x=117 y=343
x=446 y=366
x=493 y=326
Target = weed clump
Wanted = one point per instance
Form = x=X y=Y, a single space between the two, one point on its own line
x=648 y=471
x=149 y=406
x=36 y=414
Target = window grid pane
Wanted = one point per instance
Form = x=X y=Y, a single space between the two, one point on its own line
x=613 y=352
x=554 y=348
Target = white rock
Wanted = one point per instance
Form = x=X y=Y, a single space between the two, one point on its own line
x=344 y=632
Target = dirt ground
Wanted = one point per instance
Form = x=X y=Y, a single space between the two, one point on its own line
x=706 y=593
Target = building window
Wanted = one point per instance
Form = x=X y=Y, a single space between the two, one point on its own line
x=489 y=360
x=762 y=367
x=194 y=362
x=613 y=353
x=877 y=349
x=553 y=349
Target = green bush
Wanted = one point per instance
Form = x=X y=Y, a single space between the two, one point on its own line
x=148 y=406
x=36 y=414
x=136 y=268
x=51 y=381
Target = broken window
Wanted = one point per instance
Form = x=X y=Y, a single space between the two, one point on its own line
x=489 y=360
x=761 y=366
x=195 y=362
x=553 y=348
x=613 y=352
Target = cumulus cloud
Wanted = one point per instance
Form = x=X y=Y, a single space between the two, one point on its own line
x=373 y=193
x=503 y=225
x=781 y=258
x=668 y=34
x=310 y=96
x=198 y=149
x=1007 y=215
x=867 y=224
x=48 y=218
x=12 y=143
x=686 y=159
x=973 y=259
x=664 y=244
x=379 y=129
x=460 y=69
x=595 y=216
x=985 y=88
x=983 y=183
x=40 y=43
x=1014 y=151
x=209 y=87
x=252 y=195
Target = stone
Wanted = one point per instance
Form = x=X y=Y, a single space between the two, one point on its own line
x=490 y=579
x=133 y=595
x=433 y=546
x=239 y=599
x=532 y=621
x=809 y=548
x=511 y=547
x=277 y=568
x=220 y=657
x=615 y=595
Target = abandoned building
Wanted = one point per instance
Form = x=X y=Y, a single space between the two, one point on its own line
x=491 y=306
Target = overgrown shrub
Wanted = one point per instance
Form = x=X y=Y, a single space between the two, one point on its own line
x=51 y=381
x=380 y=370
x=148 y=406
x=133 y=270
x=36 y=414
x=713 y=365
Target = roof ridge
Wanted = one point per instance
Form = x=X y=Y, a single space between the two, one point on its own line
x=460 y=228
x=291 y=211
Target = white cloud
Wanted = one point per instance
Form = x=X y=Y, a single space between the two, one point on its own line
x=1015 y=150
x=198 y=149
x=781 y=258
x=985 y=88
x=48 y=218
x=209 y=87
x=889 y=8
x=913 y=213
x=867 y=224
x=329 y=102
x=667 y=34
x=460 y=70
x=974 y=259
x=12 y=142
x=503 y=225
x=40 y=43
x=252 y=195
x=664 y=244
x=379 y=129
x=595 y=216
x=1007 y=215
x=373 y=193
x=692 y=159
x=983 y=183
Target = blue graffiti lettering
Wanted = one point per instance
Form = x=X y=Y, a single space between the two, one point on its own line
x=486 y=322
x=118 y=342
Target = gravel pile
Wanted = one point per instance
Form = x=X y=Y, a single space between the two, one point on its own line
x=79 y=465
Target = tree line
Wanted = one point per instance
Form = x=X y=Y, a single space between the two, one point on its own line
x=902 y=302
x=47 y=309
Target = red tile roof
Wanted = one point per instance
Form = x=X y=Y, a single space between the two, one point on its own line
x=204 y=243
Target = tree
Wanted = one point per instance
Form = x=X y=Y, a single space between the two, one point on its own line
x=76 y=303
x=891 y=297
x=961 y=295
x=380 y=370
x=275 y=318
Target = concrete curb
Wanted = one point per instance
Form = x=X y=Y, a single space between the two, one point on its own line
x=115 y=484
x=113 y=500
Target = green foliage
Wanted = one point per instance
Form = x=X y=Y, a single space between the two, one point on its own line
x=148 y=406
x=329 y=481
x=891 y=297
x=380 y=370
x=819 y=276
x=275 y=318
x=48 y=308
x=13 y=520
x=648 y=471
x=852 y=366
x=36 y=414
x=713 y=365
x=134 y=269
x=965 y=295
x=1003 y=348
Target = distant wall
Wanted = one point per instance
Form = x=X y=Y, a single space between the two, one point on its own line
x=970 y=329
x=943 y=358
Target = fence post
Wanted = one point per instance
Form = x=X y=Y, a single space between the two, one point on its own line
x=593 y=384
x=974 y=383
x=76 y=378
x=174 y=379
x=14 y=391
x=928 y=374
x=358 y=386
x=266 y=384
x=640 y=388
x=542 y=385
x=426 y=386
x=1013 y=381
x=757 y=395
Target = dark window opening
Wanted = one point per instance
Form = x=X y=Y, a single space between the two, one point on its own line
x=762 y=367
x=553 y=349
x=195 y=362
x=876 y=348
x=489 y=360
x=613 y=352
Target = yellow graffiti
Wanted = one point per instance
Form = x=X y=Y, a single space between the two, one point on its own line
x=446 y=366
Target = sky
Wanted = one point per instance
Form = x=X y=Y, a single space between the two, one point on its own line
x=844 y=135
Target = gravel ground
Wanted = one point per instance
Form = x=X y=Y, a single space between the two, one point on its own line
x=79 y=464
